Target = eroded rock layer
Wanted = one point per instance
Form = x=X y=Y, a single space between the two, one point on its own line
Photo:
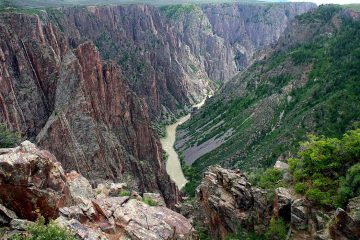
x=70 y=102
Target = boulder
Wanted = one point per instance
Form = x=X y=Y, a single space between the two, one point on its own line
x=36 y=181
x=79 y=187
x=82 y=231
x=111 y=189
x=20 y=224
x=320 y=218
x=281 y=165
x=344 y=227
x=225 y=200
x=147 y=223
x=353 y=208
x=6 y=215
x=300 y=214
x=126 y=218
x=282 y=203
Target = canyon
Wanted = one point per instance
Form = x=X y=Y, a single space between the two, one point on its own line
x=86 y=82
x=111 y=98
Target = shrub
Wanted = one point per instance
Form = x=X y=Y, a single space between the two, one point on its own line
x=124 y=193
x=277 y=229
x=150 y=202
x=7 y=138
x=270 y=179
x=243 y=234
x=40 y=231
x=300 y=188
x=327 y=170
x=350 y=185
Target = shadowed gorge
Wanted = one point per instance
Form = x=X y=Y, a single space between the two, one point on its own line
x=192 y=120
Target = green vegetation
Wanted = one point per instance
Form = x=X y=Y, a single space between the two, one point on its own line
x=270 y=179
x=277 y=229
x=327 y=170
x=41 y=231
x=150 y=201
x=323 y=14
x=355 y=7
x=244 y=235
x=312 y=87
x=124 y=193
x=8 y=138
x=177 y=11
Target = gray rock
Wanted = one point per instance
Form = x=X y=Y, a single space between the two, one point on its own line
x=155 y=197
x=225 y=200
x=299 y=214
x=281 y=165
x=282 y=203
x=20 y=224
x=79 y=187
x=6 y=215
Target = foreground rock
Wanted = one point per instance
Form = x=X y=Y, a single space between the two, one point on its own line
x=32 y=182
x=63 y=96
x=225 y=200
x=126 y=218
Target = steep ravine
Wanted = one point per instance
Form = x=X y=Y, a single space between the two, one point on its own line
x=86 y=82
x=172 y=55
x=307 y=84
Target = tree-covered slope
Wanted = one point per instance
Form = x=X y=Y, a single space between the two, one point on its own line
x=309 y=84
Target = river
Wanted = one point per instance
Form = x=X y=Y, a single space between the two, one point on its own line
x=173 y=166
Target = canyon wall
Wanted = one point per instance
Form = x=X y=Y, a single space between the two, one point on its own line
x=71 y=102
x=173 y=54
x=95 y=116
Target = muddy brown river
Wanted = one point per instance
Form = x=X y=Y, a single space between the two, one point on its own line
x=173 y=166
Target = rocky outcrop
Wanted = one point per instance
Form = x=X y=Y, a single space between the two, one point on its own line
x=344 y=226
x=32 y=182
x=226 y=200
x=81 y=109
x=126 y=218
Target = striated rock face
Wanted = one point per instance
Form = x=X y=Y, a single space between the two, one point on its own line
x=57 y=91
x=225 y=200
x=32 y=182
x=170 y=59
x=344 y=226
x=76 y=106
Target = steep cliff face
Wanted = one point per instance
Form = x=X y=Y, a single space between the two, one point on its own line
x=171 y=55
x=77 y=106
x=306 y=85
x=228 y=205
x=57 y=91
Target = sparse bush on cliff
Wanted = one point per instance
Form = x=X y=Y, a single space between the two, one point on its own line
x=150 y=202
x=327 y=169
x=277 y=229
x=41 y=231
x=270 y=179
x=7 y=138
x=177 y=11
x=124 y=193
